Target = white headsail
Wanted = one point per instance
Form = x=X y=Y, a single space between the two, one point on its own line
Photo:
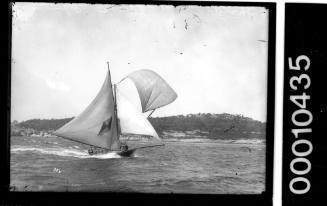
x=131 y=120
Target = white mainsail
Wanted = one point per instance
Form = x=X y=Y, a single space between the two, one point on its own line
x=97 y=124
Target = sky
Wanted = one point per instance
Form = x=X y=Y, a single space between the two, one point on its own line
x=214 y=57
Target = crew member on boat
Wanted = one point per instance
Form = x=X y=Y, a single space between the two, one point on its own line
x=123 y=147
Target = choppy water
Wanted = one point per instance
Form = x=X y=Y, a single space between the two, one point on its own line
x=187 y=166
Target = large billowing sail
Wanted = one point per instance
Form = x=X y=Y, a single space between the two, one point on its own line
x=97 y=124
x=154 y=91
x=131 y=120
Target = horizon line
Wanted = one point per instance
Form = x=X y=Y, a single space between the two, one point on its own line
x=51 y=118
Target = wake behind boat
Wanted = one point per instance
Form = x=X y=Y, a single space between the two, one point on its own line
x=111 y=115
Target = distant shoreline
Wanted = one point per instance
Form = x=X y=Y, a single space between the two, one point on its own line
x=201 y=125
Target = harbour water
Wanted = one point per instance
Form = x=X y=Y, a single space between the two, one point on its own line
x=181 y=166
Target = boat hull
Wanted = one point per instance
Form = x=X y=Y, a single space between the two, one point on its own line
x=126 y=153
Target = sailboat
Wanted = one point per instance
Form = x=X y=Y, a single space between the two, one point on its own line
x=112 y=115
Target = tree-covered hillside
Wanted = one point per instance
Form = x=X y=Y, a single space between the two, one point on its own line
x=220 y=126
x=44 y=124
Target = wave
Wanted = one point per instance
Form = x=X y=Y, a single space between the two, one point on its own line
x=64 y=152
x=191 y=140
x=196 y=140
x=222 y=141
x=249 y=141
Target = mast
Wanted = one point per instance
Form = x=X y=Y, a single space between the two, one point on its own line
x=115 y=107
x=108 y=68
x=115 y=104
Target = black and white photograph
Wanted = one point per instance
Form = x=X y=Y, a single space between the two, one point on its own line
x=140 y=98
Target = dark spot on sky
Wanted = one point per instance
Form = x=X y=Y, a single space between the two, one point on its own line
x=183 y=8
x=111 y=7
x=181 y=53
x=197 y=18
